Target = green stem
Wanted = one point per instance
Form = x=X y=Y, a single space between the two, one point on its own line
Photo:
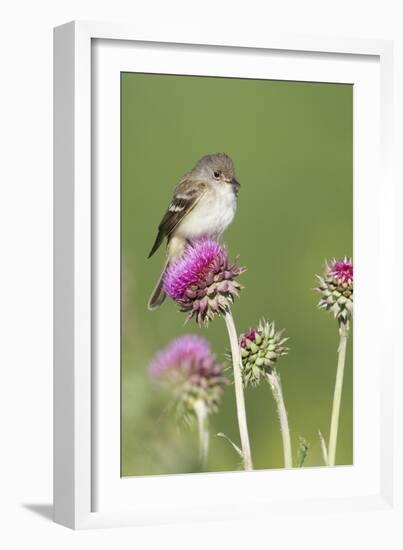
x=239 y=395
x=275 y=384
x=334 y=424
x=202 y=424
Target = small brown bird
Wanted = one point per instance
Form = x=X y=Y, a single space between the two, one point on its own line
x=203 y=205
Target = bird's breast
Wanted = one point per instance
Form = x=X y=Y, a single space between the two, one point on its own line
x=211 y=216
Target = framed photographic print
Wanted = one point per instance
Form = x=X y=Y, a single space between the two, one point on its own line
x=221 y=328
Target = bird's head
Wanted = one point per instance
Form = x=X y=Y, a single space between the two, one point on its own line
x=217 y=169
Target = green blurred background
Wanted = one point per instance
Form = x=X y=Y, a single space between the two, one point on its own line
x=292 y=147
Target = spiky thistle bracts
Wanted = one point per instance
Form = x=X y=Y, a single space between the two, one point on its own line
x=202 y=281
x=336 y=288
x=192 y=372
x=261 y=348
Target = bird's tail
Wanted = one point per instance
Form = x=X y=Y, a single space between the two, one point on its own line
x=158 y=295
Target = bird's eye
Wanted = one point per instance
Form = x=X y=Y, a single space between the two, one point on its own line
x=216 y=174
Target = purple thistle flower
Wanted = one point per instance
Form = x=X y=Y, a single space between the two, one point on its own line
x=342 y=270
x=202 y=281
x=336 y=288
x=189 y=366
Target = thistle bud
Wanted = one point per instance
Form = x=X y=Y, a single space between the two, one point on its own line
x=336 y=288
x=261 y=348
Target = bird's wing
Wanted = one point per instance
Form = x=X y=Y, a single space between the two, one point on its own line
x=187 y=194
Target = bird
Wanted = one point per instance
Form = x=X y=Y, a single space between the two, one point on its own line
x=203 y=205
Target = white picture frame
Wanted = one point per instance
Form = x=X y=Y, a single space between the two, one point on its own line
x=88 y=491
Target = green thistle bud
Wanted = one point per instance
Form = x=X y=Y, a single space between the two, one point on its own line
x=261 y=348
x=336 y=288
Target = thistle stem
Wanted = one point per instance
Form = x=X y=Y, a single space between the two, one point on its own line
x=334 y=424
x=275 y=384
x=239 y=395
x=202 y=424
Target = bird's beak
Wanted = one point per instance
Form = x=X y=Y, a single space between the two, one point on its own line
x=236 y=183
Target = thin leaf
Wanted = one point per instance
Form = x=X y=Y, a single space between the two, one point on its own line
x=324 y=448
x=237 y=449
